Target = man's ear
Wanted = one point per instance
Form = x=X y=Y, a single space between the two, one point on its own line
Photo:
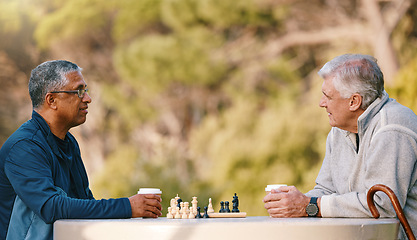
x=355 y=102
x=50 y=100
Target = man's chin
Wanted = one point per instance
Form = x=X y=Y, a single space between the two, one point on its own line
x=80 y=121
x=332 y=123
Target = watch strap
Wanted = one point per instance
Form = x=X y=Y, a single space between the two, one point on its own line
x=312 y=208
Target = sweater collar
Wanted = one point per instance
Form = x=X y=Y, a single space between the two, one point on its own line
x=365 y=118
x=46 y=131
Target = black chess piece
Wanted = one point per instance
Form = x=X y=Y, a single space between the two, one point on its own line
x=205 y=213
x=235 y=202
x=179 y=203
x=226 y=208
x=221 y=207
x=198 y=213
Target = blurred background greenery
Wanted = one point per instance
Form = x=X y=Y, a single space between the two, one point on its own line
x=202 y=98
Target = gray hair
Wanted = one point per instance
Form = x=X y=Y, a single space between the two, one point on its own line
x=49 y=76
x=355 y=73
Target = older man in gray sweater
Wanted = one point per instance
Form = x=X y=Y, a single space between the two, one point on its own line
x=373 y=140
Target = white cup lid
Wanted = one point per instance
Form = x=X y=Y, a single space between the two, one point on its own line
x=273 y=186
x=149 y=191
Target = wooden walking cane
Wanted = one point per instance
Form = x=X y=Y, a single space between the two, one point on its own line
x=395 y=203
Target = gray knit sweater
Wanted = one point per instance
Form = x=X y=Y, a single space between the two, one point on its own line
x=387 y=155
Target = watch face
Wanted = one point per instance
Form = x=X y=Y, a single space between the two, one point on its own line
x=312 y=210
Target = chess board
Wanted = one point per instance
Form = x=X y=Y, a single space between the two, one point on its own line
x=227 y=215
x=182 y=210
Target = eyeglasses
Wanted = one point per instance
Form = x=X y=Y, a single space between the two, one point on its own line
x=79 y=92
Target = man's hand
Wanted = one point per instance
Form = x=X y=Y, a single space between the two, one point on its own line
x=146 y=205
x=286 y=201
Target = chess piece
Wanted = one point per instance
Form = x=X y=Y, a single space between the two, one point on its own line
x=205 y=213
x=191 y=215
x=182 y=207
x=173 y=206
x=198 y=213
x=221 y=207
x=210 y=207
x=194 y=204
x=226 y=207
x=187 y=208
x=184 y=214
x=177 y=214
x=179 y=201
x=169 y=214
x=235 y=202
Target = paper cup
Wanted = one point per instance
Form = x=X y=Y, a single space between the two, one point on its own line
x=155 y=191
x=273 y=186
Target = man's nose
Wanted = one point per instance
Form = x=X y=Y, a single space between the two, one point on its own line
x=87 y=98
x=322 y=102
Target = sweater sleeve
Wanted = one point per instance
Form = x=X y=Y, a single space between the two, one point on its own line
x=390 y=160
x=324 y=184
x=31 y=174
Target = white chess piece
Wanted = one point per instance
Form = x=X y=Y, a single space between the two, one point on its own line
x=177 y=214
x=184 y=214
x=173 y=206
x=169 y=214
x=182 y=207
x=191 y=215
x=194 y=205
x=210 y=207
x=187 y=208
x=176 y=201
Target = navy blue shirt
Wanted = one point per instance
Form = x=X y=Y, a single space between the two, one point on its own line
x=35 y=164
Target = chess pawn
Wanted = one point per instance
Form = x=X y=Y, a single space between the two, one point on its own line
x=191 y=215
x=198 y=215
x=210 y=207
x=182 y=207
x=169 y=214
x=177 y=214
x=226 y=207
x=184 y=214
x=222 y=210
x=205 y=213
x=187 y=208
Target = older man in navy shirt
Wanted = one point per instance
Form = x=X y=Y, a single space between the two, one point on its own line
x=42 y=176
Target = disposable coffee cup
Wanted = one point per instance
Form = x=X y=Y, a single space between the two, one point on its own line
x=269 y=188
x=155 y=191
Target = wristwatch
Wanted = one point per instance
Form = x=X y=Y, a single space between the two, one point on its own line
x=312 y=209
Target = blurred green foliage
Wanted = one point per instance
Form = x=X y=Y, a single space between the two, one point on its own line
x=405 y=89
